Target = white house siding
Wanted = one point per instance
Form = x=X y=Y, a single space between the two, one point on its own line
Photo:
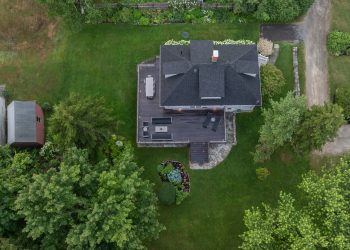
x=11 y=123
x=2 y=121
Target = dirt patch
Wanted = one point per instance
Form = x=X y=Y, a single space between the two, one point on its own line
x=24 y=25
x=316 y=27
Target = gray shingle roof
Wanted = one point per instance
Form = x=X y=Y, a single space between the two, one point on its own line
x=22 y=122
x=231 y=78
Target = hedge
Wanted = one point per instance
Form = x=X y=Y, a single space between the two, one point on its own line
x=339 y=43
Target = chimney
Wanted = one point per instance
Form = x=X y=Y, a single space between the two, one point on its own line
x=215 y=56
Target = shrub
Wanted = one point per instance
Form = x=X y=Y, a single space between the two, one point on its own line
x=272 y=80
x=165 y=170
x=125 y=15
x=265 y=47
x=167 y=194
x=175 y=176
x=181 y=196
x=339 y=43
x=6 y=94
x=181 y=5
x=262 y=173
x=342 y=98
x=144 y=21
x=46 y=107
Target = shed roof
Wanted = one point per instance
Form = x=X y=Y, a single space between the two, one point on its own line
x=22 y=122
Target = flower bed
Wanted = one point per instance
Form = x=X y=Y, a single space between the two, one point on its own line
x=175 y=173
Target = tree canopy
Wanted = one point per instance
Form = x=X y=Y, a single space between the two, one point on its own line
x=81 y=121
x=272 y=81
x=323 y=222
x=318 y=126
x=59 y=199
x=279 y=124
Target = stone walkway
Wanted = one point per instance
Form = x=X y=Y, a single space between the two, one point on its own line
x=219 y=151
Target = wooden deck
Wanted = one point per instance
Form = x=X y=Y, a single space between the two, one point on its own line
x=186 y=127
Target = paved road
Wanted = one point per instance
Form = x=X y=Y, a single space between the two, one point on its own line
x=340 y=145
x=282 y=32
x=313 y=31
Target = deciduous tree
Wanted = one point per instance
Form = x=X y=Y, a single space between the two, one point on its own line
x=318 y=126
x=322 y=223
x=81 y=121
x=279 y=125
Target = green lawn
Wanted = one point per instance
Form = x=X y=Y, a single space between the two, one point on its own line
x=339 y=73
x=101 y=60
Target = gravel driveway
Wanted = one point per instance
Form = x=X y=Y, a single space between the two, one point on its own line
x=316 y=27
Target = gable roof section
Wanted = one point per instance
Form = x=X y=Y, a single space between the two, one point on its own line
x=234 y=78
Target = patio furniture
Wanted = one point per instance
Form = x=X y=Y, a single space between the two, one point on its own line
x=161 y=120
x=145 y=132
x=207 y=120
x=150 y=87
x=161 y=129
x=162 y=137
x=216 y=123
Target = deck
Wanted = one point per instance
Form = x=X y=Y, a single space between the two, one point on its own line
x=185 y=127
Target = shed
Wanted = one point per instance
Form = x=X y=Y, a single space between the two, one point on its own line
x=25 y=124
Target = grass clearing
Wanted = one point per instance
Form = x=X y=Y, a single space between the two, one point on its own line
x=339 y=73
x=101 y=60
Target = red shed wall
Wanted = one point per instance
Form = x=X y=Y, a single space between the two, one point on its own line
x=40 y=129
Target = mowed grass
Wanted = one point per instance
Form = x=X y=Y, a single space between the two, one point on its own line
x=101 y=60
x=339 y=73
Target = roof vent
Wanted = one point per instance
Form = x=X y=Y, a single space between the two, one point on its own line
x=215 y=56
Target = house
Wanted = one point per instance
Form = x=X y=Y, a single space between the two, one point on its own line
x=196 y=86
x=25 y=124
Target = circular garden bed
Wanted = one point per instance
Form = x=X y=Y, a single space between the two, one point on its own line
x=175 y=182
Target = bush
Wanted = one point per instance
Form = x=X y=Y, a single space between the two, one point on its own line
x=342 y=98
x=272 y=81
x=167 y=194
x=144 y=21
x=125 y=15
x=46 y=107
x=262 y=173
x=175 y=176
x=265 y=47
x=164 y=170
x=339 y=43
x=181 y=196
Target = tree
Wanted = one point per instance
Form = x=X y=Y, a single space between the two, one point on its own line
x=80 y=121
x=277 y=10
x=60 y=200
x=279 y=125
x=342 y=98
x=322 y=223
x=318 y=126
x=272 y=81
x=14 y=176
